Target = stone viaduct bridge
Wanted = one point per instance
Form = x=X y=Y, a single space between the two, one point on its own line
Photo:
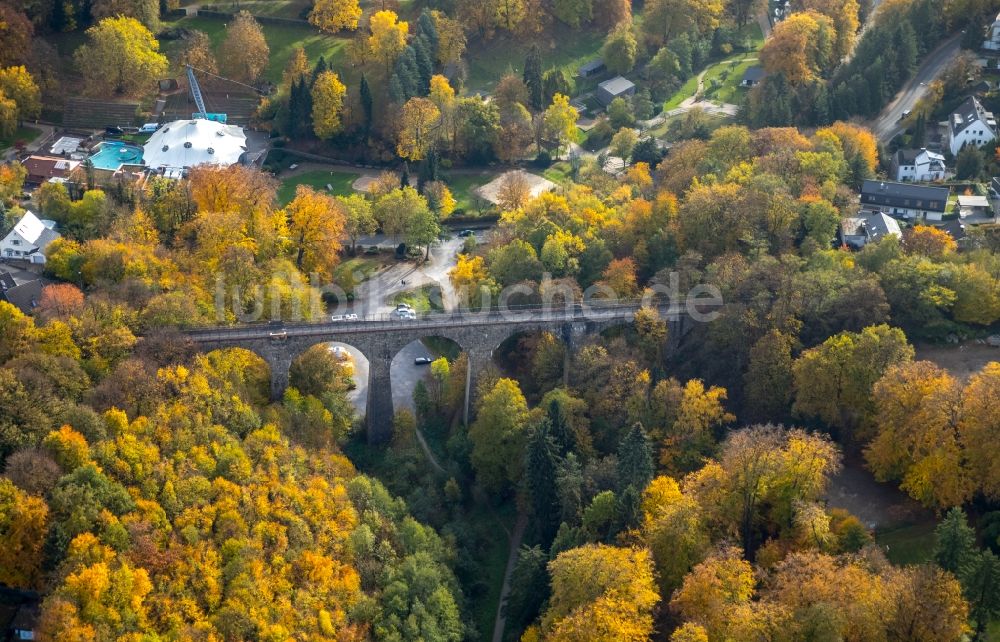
x=380 y=337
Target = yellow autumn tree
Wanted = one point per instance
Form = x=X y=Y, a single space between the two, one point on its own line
x=120 y=56
x=332 y=16
x=601 y=594
x=328 y=103
x=418 y=125
x=244 y=52
x=316 y=226
x=388 y=37
x=23 y=524
x=560 y=120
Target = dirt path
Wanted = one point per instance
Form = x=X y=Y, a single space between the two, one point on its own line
x=877 y=505
x=427 y=451
x=963 y=360
x=515 y=546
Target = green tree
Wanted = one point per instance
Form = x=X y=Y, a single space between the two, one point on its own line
x=555 y=82
x=768 y=380
x=982 y=589
x=969 y=163
x=359 y=220
x=498 y=436
x=620 y=49
x=954 y=543
x=834 y=380
x=540 y=483
x=635 y=459
x=514 y=262
x=533 y=78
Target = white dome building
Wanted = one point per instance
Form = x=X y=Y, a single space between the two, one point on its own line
x=182 y=144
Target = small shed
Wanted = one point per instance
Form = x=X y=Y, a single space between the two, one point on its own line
x=975 y=208
x=752 y=76
x=617 y=87
x=591 y=68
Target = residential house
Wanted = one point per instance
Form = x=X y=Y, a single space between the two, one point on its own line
x=28 y=240
x=992 y=42
x=22 y=626
x=43 y=168
x=917 y=165
x=617 y=87
x=858 y=231
x=970 y=124
x=591 y=68
x=25 y=297
x=752 y=76
x=905 y=200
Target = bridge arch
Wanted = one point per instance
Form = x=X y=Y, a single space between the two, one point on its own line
x=379 y=340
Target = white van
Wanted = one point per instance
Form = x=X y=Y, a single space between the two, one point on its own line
x=149 y=128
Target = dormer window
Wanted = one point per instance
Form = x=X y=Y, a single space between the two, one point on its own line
x=165 y=148
x=187 y=145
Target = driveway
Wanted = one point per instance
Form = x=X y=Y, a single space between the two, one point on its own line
x=374 y=296
x=887 y=125
x=405 y=375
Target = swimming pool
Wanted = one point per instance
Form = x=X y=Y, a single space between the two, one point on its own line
x=111 y=155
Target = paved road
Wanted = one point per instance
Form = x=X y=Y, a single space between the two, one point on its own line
x=887 y=125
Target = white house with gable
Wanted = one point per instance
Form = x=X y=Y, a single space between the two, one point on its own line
x=917 y=165
x=970 y=124
x=28 y=240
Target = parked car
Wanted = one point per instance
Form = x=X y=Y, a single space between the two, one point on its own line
x=149 y=128
x=466 y=233
x=373 y=249
x=112 y=130
x=406 y=315
x=906 y=114
x=344 y=317
x=404 y=306
x=422 y=361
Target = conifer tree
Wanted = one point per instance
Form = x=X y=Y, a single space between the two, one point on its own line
x=540 y=479
x=366 y=103
x=955 y=542
x=635 y=459
x=533 y=78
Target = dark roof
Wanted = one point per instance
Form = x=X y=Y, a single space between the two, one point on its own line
x=755 y=73
x=7 y=281
x=590 y=66
x=25 y=296
x=905 y=190
x=907 y=156
x=969 y=112
x=617 y=85
x=954 y=227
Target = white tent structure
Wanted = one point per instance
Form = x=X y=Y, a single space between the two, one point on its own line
x=187 y=143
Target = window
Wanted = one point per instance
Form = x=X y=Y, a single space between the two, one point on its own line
x=920 y=203
x=15 y=242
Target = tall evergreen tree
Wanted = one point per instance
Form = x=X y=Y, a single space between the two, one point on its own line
x=569 y=486
x=424 y=62
x=559 y=429
x=919 y=138
x=629 y=510
x=404 y=178
x=318 y=69
x=397 y=93
x=529 y=588
x=533 y=78
x=982 y=589
x=955 y=542
x=429 y=168
x=366 y=103
x=427 y=29
x=540 y=480
x=635 y=459
x=555 y=82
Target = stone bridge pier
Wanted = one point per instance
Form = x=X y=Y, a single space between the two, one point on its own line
x=478 y=336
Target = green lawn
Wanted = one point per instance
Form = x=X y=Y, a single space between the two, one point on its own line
x=352 y=271
x=490 y=60
x=558 y=173
x=281 y=39
x=716 y=68
x=21 y=135
x=909 y=544
x=426 y=298
x=340 y=181
x=463 y=188
x=729 y=77
x=294 y=9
